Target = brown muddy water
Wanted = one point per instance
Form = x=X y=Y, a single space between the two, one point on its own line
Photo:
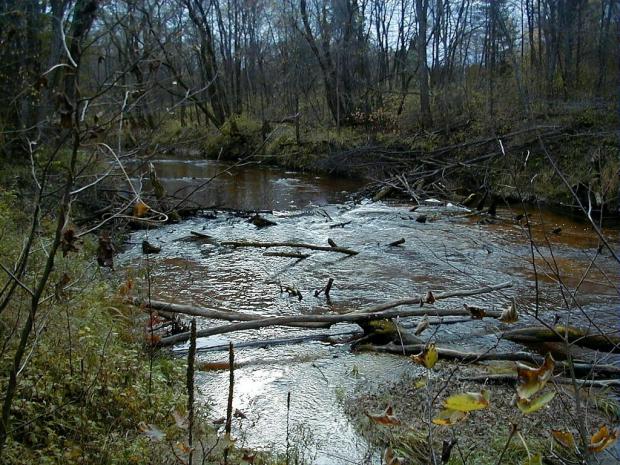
x=450 y=251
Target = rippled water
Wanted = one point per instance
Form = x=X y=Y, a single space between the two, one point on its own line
x=450 y=251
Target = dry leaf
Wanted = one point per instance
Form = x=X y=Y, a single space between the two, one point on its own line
x=389 y=458
x=532 y=380
x=448 y=417
x=152 y=339
x=68 y=242
x=532 y=405
x=467 y=401
x=430 y=298
x=535 y=459
x=476 y=313
x=386 y=418
x=140 y=209
x=564 y=438
x=183 y=447
x=182 y=421
x=602 y=439
x=428 y=357
x=151 y=431
x=125 y=288
x=510 y=314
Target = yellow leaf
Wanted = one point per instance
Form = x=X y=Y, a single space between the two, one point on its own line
x=467 y=401
x=386 y=418
x=448 y=417
x=140 y=209
x=535 y=459
x=532 y=405
x=532 y=380
x=420 y=383
x=428 y=357
x=602 y=439
x=563 y=438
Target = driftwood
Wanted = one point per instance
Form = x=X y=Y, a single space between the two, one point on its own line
x=441 y=296
x=252 y=321
x=474 y=357
x=275 y=342
x=395 y=243
x=201 y=235
x=577 y=336
x=339 y=225
x=212 y=313
x=353 y=317
x=326 y=289
x=290 y=244
x=297 y=255
x=598 y=383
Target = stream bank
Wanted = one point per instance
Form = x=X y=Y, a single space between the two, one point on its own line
x=451 y=250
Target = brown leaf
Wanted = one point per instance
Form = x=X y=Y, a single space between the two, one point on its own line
x=69 y=241
x=564 y=438
x=59 y=287
x=105 y=251
x=476 y=313
x=140 y=209
x=430 y=298
x=386 y=418
x=125 y=288
x=390 y=458
x=602 y=439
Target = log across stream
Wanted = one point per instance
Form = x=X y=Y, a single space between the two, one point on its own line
x=449 y=252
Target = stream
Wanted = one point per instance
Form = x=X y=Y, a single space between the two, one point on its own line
x=450 y=251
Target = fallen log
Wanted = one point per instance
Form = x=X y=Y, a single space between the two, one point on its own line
x=297 y=245
x=398 y=242
x=339 y=225
x=212 y=313
x=599 y=383
x=201 y=235
x=273 y=342
x=474 y=357
x=297 y=255
x=377 y=312
x=353 y=317
x=445 y=295
x=578 y=336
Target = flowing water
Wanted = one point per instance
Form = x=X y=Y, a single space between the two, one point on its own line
x=450 y=251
